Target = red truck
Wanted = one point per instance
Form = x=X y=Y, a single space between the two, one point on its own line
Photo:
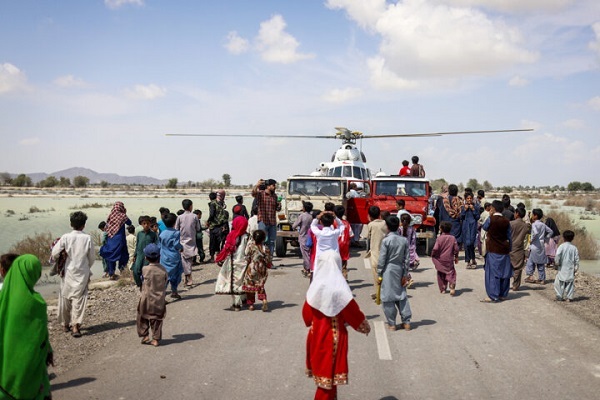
x=384 y=191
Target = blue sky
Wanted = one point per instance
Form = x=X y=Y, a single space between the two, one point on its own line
x=97 y=84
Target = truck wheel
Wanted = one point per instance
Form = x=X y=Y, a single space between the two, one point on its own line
x=280 y=247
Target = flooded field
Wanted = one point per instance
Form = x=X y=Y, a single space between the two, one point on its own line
x=22 y=216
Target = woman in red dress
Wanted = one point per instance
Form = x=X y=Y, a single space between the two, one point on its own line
x=328 y=308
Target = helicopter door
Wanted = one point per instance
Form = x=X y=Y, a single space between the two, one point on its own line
x=357 y=208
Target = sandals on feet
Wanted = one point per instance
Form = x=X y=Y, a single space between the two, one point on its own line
x=145 y=340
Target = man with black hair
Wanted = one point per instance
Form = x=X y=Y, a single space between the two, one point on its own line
x=497 y=260
x=188 y=224
x=268 y=204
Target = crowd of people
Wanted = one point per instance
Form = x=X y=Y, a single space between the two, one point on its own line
x=509 y=239
x=160 y=254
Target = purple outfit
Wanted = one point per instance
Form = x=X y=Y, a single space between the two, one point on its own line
x=303 y=222
x=443 y=254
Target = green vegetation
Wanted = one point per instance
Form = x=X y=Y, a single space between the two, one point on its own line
x=38 y=245
x=172 y=184
x=227 y=180
x=81 y=181
x=91 y=205
x=577 y=186
x=585 y=242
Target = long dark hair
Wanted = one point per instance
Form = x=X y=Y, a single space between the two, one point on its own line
x=550 y=223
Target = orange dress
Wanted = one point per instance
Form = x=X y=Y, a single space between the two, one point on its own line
x=327 y=344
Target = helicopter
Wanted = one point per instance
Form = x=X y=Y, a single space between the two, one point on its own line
x=349 y=161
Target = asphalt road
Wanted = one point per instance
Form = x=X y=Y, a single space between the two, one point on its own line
x=459 y=348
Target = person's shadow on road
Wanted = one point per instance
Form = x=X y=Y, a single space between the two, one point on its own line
x=277 y=304
x=185 y=337
x=423 y=322
x=389 y=398
x=71 y=383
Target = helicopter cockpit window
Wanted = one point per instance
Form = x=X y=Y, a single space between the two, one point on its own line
x=307 y=187
x=337 y=171
x=347 y=171
x=358 y=173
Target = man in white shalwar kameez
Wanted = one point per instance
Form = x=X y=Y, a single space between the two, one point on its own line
x=79 y=247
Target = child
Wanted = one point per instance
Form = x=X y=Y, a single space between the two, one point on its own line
x=405 y=170
x=302 y=224
x=409 y=233
x=154 y=226
x=344 y=239
x=200 y=237
x=552 y=242
x=376 y=231
x=327 y=238
x=6 y=261
x=72 y=300
x=170 y=253
x=103 y=236
x=239 y=199
x=131 y=244
x=540 y=233
x=469 y=215
x=567 y=263
x=259 y=262
x=152 y=306
x=444 y=255
x=143 y=239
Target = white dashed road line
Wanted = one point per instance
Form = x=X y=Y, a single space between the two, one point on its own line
x=383 y=347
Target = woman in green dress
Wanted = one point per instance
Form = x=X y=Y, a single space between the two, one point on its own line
x=25 y=350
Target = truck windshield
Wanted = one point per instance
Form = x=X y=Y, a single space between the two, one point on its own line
x=401 y=188
x=315 y=187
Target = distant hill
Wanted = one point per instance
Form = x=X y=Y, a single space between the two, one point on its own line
x=97 y=177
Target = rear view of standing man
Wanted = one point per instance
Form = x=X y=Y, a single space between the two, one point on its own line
x=188 y=224
x=268 y=205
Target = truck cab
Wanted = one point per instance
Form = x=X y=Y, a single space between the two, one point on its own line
x=416 y=192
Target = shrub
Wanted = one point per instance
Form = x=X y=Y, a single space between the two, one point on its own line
x=585 y=242
x=38 y=245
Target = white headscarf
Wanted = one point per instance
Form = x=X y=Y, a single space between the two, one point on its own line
x=329 y=292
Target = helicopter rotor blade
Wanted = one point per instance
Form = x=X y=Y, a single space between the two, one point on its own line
x=443 y=133
x=261 y=136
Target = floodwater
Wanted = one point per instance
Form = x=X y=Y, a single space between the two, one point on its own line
x=17 y=222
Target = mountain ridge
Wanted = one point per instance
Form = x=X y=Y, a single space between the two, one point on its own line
x=96 y=177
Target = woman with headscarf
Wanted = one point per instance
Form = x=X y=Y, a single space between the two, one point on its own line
x=552 y=244
x=328 y=308
x=115 y=249
x=233 y=262
x=25 y=350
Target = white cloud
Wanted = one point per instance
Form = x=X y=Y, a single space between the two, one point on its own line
x=11 y=78
x=114 y=4
x=276 y=45
x=595 y=45
x=422 y=41
x=574 y=124
x=518 y=81
x=236 y=44
x=594 y=102
x=29 y=141
x=364 y=12
x=69 y=81
x=528 y=124
x=145 y=92
x=513 y=6
x=342 y=95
